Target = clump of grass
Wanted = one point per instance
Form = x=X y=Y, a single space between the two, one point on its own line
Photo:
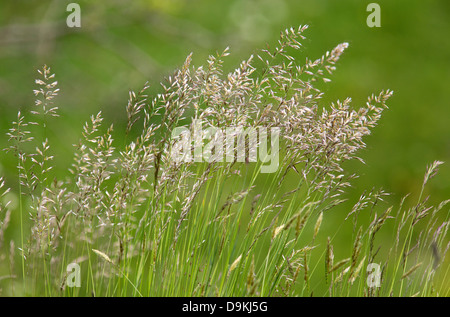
x=138 y=222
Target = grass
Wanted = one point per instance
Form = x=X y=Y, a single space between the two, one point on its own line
x=139 y=222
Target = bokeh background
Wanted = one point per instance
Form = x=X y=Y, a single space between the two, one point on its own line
x=122 y=44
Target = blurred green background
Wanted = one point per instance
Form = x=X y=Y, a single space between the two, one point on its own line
x=123 y=44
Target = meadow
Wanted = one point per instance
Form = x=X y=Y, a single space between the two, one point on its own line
x=104 y=208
